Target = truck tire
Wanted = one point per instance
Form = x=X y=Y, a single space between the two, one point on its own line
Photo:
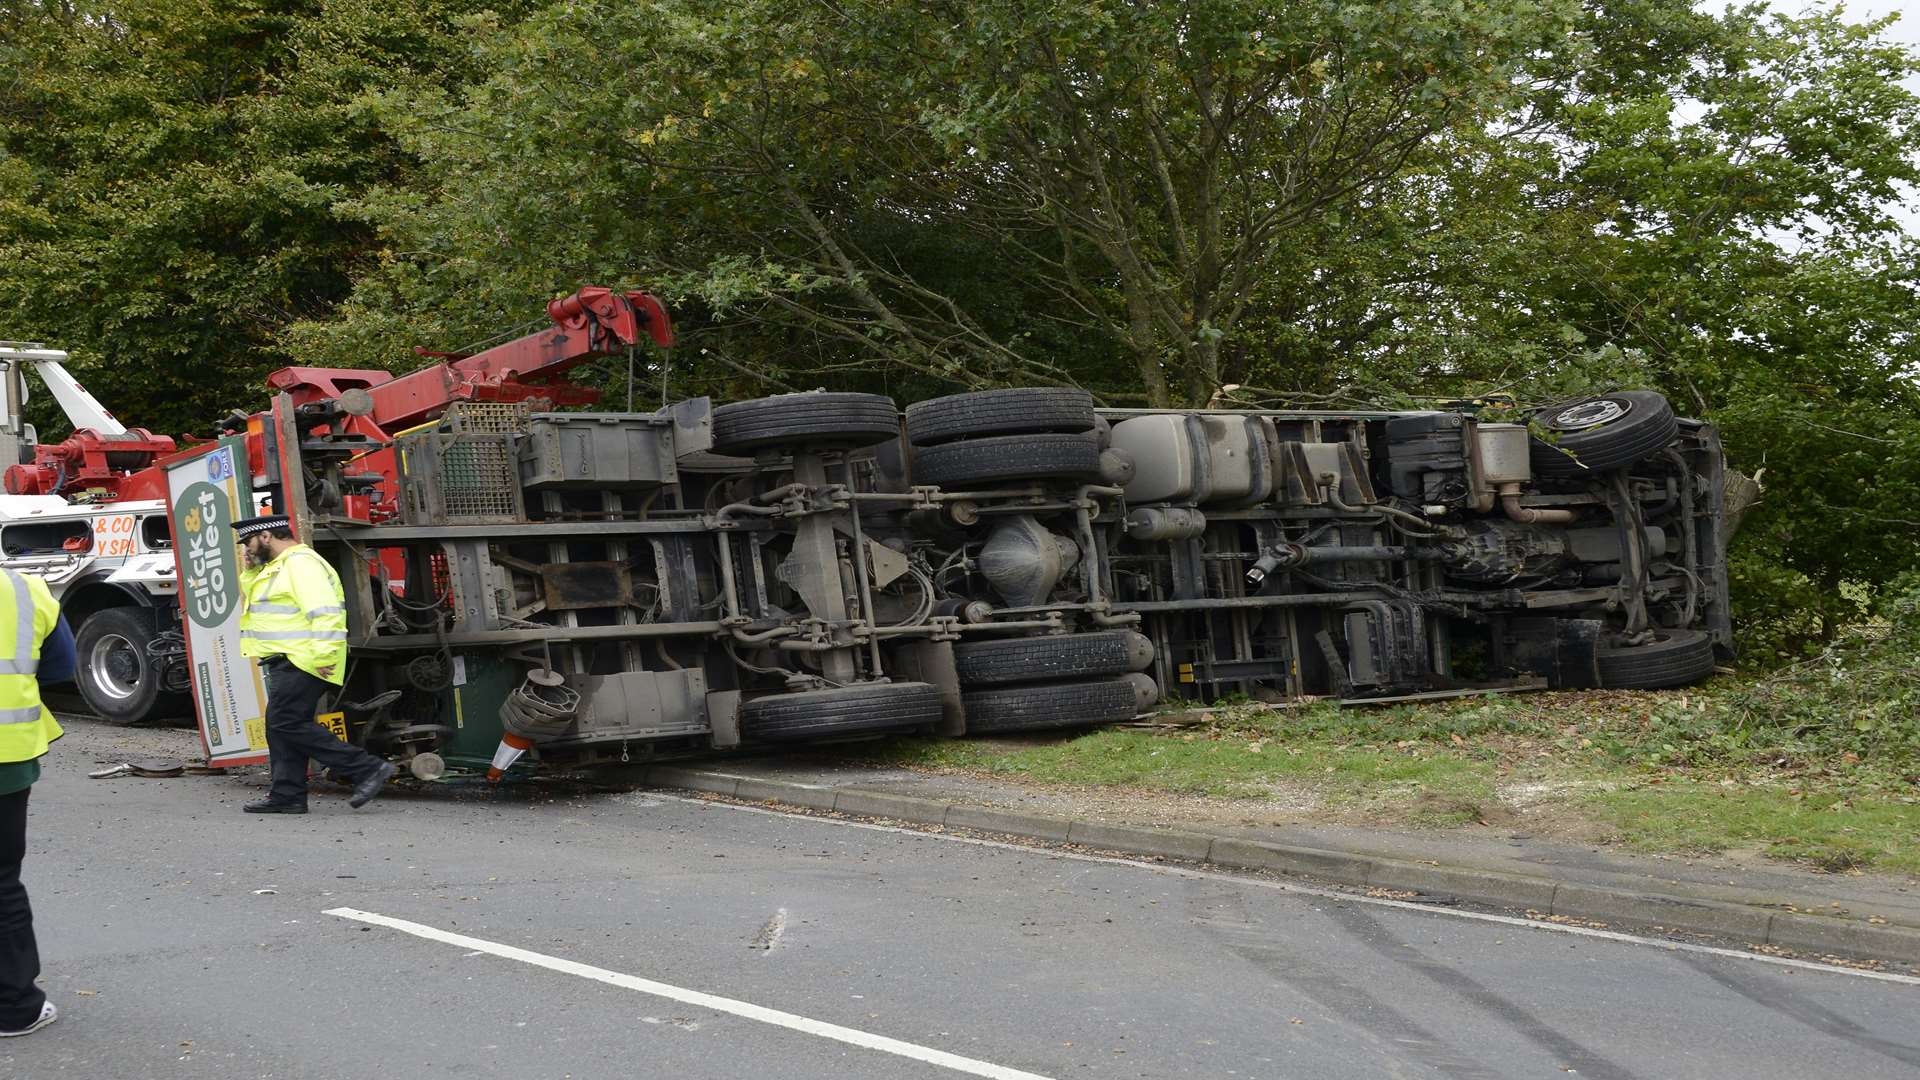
x=846 y=710
x=817 y=420
x=1007 y=458
x=1673 y=658
x=1040 y=659
x=1595 y=434
x=114 y=676
x=1050 y=705
x=1027 y=410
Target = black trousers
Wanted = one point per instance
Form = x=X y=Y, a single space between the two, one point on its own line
x=294 y=736
x=20 y=1000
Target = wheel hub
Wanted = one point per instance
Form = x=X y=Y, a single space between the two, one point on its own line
x=116 y=667
x=1589 y=414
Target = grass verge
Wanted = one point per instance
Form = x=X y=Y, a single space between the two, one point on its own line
x=1679 y=771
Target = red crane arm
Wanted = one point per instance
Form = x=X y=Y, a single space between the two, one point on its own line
x=591 y=323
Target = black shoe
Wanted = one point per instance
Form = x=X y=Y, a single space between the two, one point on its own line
x=365 y=790
x=275 y=806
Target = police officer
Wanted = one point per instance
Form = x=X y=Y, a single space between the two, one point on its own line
x=35 y=647
x=295 y=621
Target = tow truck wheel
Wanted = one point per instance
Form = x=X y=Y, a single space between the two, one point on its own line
x=114 y=674
x=816 y=419
x=848 y=710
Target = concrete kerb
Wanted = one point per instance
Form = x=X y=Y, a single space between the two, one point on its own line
x=1753 y=925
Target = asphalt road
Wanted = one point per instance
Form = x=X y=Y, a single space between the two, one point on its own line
x=184 y=939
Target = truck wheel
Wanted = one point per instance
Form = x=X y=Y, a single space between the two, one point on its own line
x=1595 y=434
x=1053 y=705
x=114 y=676
x=1029 y=410
x=1005 y=458
x=1038 y=659
x=1672 y=658
x=846 y=710
x=817 y=419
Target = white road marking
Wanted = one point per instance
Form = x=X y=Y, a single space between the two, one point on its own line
x=747 y=1010
x=1309 y=890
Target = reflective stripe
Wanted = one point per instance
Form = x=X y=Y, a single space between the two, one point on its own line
x=276 y=609
x=24 y=641
x=27 y=715
x=15 y=667
x=314 y=613
x=295 y=635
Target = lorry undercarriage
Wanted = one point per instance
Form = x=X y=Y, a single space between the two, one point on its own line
x=603 y=587
x=591 y=587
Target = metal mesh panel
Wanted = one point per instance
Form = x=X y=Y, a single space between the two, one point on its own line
x=487 y=418
x=477 y=477
x=463 y=471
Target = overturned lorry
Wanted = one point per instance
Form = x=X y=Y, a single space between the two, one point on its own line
x=597 y=587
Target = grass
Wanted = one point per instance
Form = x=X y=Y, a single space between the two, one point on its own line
x=1830 y=831
x=1193 y=764
x=1680 y=771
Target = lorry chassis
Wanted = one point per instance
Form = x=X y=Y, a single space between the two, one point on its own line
x=532 y=587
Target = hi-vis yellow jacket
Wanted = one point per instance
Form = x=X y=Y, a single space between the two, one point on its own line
x=295 y=608
x=28 y=613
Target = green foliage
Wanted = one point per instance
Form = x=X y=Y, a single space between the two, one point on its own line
x=170 y=176
x=951 y=194
x=1858 y=700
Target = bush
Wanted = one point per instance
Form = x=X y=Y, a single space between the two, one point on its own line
x=1859 y=696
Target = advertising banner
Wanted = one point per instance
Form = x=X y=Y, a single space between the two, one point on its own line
x=206 y=494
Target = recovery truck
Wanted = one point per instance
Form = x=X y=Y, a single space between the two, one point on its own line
x=88 y=515
x=530 y=587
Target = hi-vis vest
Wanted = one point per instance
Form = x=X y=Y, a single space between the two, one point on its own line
x=295 y=609
x=28 y=613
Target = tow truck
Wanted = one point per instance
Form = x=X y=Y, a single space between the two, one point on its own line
x=74 y=514
x=532 y=588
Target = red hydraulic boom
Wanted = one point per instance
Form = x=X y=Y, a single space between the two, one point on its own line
x=592 y=323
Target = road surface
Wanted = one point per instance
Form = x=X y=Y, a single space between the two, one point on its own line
x=641 y=935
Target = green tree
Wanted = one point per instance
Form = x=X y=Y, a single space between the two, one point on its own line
x=169 y=174
x=958 y=194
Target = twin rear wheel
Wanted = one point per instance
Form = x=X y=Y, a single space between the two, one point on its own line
x=995 y=437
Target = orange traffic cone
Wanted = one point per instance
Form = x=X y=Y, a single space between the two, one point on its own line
x=511 y=747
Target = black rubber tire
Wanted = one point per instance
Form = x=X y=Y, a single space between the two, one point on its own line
x=1025 y=410
x=113 y=674
x=817 y=419
x=1040 y=659
x=1646 y=427
x=1007 y=458
x=1049 y=705
x=851 y=710
x=1673 y=658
